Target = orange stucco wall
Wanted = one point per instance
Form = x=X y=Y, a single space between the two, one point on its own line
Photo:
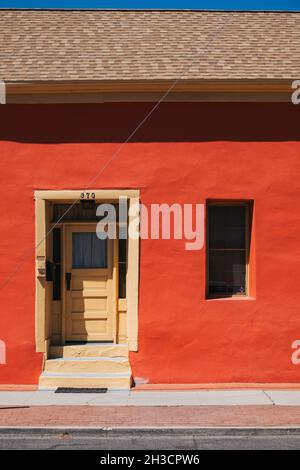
x=186 y=153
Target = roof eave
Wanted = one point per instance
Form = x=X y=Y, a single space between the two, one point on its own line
x=47 y=91
x=176 y=85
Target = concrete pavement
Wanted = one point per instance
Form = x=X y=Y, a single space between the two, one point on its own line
x=151 y=409
x=153 y=398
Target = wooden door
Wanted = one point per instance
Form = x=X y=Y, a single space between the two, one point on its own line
x=89 y=285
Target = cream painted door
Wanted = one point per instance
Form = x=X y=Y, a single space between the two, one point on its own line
x=89 y=285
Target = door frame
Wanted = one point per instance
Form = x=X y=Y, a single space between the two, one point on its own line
x=43 y=207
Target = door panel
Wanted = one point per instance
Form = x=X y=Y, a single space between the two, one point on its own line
x=89 y=304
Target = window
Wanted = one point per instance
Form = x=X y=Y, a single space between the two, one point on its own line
x=122 y=268
x=56 y=263
x=88 y=251
x=77 y=212
x=227 y=242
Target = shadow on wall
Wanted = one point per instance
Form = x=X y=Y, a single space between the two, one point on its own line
x=171 y=122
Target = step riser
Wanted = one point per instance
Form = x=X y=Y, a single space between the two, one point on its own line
x=82 y=366
x=110 y=383
x=88 y=351
x=87 y=366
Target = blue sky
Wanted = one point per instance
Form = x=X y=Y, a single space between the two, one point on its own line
x=168 y=4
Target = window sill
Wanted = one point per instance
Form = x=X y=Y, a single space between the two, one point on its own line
x=234 y=298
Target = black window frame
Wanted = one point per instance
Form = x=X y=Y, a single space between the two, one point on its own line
x=248 y=225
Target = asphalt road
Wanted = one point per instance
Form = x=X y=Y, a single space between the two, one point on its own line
x=149 y=441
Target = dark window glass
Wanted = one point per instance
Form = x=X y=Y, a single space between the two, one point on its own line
x=56 y=263
x=122 y=268
x=227 y=227
x=78 y=212
x=227 y=254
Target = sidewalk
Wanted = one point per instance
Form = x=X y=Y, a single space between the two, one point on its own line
x=150 y=417
x=153 y=398
x=193 y=409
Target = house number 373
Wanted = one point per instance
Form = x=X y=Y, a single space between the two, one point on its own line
x=87 y=195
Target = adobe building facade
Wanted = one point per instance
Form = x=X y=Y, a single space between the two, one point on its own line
x=80 y=311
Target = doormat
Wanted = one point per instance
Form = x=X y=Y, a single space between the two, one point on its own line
x=80 y=390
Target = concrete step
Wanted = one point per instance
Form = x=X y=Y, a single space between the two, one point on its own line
x=88 y=364
x=89 y=350
x=116 y=381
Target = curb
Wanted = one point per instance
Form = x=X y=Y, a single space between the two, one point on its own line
x=172 y=431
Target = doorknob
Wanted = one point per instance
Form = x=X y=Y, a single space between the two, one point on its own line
x=68 y=280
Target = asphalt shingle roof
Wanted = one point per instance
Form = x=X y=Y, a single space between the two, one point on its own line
x=148 y=45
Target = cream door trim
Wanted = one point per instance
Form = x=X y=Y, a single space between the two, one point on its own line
x=40 y=286
x=132 y=281
x=100 y=194
x=42 y=198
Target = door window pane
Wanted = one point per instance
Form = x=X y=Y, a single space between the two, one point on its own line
x=88 y=251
